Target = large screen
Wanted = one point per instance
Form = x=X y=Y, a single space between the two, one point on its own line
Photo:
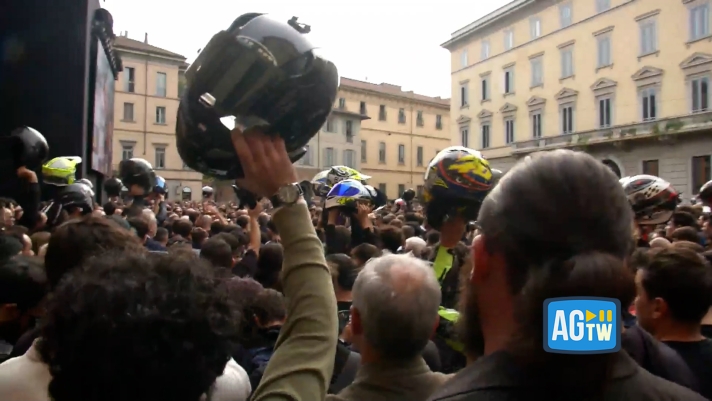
x=103 y=131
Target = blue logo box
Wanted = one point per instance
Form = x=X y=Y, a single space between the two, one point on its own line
x=582 y=325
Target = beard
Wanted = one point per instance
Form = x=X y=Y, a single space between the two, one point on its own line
x=469 y=324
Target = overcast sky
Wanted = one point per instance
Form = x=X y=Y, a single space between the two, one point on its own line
x=394 y=41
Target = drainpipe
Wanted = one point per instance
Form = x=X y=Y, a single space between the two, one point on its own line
x=145 y=101
x=411 y=146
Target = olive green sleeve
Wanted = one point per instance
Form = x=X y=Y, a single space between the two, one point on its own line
x=301 y=367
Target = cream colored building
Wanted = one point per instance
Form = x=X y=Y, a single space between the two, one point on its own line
x=145 y=107
x=402 y=133
x=628 y=81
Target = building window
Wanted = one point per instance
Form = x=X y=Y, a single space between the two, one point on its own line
x=508 y=39
x=536 y=125
x=401 y=116
x=535 y=27
x=509 y=131
x=160 y=115
x=349 y=131
x=129 y=79
x=567 y=119
x=382 y=188
x=485 y=52
x=330 y=125
x=485 y=136
x=485 y=88
x=650 y=167
x=306 y=160
x=127 y=151
x=700 y=94
x=699 y=21
x=342 y=103
x=602 y=5
x=364 y=155
x=419 y=191
x=464 y=98
x=603 y=43
x=160 y=157
x=648 y=37
x=438 y=122
x=128 y=112
x=700 y=172
x=381 y=152
x=401 y=189
x=605 y=112
x=362 y=108
x=565 y=15
x=463 y=58
x=509 y=80
x=419 y=119
x=537 y=67
x=419 y=156
x=382 y=112
x=329 y=159
x=465 y=136
x=401 y=154
x=648 y=104
x=567 y=62
x=349 y=158
x=161 y=84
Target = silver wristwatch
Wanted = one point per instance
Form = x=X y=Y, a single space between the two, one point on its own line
x=287 y=195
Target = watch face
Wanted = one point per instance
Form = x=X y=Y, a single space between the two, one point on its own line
x=289 y=193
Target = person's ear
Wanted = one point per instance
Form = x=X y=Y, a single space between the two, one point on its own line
x=356 y=323
x=481 y=260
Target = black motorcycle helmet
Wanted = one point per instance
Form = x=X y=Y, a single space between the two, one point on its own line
x=112 y=186
x=29 y=148
x=705 y=195
x=70 y=198
x=263 y=72
x=137 y=172
x=408 y=195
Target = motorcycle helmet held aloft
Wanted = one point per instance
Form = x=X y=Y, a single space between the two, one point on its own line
x=653 y=199
x=347 y=194
x=378 y=198
x=112 y=187
x=705 y=195
x=266 y=74
x=28 y=146
x=61 y=171
x=408 y=195
x=207 y=191
x=137 y=172
x=339 y=173
x=71 y=197
x=457 y=180
x=160 y=187
x=319 y=185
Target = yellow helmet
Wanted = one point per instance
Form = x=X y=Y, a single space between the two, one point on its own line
x=61 y=171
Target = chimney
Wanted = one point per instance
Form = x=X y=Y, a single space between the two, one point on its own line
x=145 y=38
x=126 y=34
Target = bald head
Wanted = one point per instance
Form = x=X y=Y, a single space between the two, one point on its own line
x=397 y=298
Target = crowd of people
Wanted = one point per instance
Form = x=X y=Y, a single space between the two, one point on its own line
x=337 y=298
x=326 y=290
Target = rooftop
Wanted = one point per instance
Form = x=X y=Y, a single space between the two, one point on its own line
x=392 y=90
x=122 y=42
x=486 y=20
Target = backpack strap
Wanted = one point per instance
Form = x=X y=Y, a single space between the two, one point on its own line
x=347 y=374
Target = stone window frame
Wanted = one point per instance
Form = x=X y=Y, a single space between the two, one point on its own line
x=691 y=5
x=507 y=32
x=605 y=33
x=464 y=58
x=645 y=78
x=464 y=100
x=485 y=117
x=536 y=106
x=509 y=68
x=509 y=112
x=464 y=123
x=535 y=21
x=650 y=17
x=567 y=97
x=564 y=48
x=698 y=65
x=485 y=44
x=486 y=77
x=536 y=58
x=570 y=6
x=605 y=88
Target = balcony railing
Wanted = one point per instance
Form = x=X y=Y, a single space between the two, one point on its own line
x=663 y=129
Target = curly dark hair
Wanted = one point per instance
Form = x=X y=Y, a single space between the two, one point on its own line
x=138 y=327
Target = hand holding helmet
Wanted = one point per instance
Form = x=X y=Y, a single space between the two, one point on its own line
x=347 y=195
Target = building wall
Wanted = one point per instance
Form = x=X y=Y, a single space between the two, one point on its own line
x=143 y=133
x=332 y=139
x=394 y=172
x=668 y=68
